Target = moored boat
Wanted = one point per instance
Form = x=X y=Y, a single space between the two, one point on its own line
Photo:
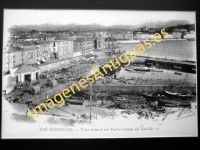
x=172 y=105
x=179 y=94
x=161 y=109
x=128 y=69
x=142 y=69
x=178 y=73
x=108 y=105
x=185 y=104
x=156 y=70
x=75 y=102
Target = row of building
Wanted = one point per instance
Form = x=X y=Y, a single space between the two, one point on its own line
x=43 y=51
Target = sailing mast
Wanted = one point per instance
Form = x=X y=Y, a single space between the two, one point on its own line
x=90 y=100
x=183 y=82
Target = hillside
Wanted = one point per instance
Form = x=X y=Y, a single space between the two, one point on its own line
x=94 y=26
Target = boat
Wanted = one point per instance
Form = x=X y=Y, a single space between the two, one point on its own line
x=172 y=105
x=171 y=93
x=161 y=109
x=167 y=101
x=102 y=95
x=75 y=102
x=128 y=69
x=142 y=69
x=156 y=70
x=154 y=96
x=178 y=73
x=150 y=97
x=120 y=98
x=179 y=94
x=185 y=95
x=185 y=104
x=108 y=105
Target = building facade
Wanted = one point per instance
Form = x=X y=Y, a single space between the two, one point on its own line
x=83 y=47
x=100 y=43
x=62 y=49
x=142 y=36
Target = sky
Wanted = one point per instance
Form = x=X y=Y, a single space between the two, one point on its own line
x=103 y=17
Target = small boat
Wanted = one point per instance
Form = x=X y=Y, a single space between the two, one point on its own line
x=108 y=105
x=185 y=104
x=150 y=97
x=154 y=96
x=171 y=93
x=119 y=98
x=177 y=67
x=161 y=109
x=185 y=96
x=142 y=69
x=172 y=105
x=128 y=69
x=156 y=70
x=178 y=73
x=75 y=102
x=167 y=101
x=179 y=94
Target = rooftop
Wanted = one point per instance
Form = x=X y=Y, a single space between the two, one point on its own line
x=83 y=40
x=26 y=68
x=28 y=43
x=63 y=38
x=18 y=49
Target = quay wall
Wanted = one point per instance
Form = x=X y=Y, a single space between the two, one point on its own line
x=113 y=89
x=136 y=89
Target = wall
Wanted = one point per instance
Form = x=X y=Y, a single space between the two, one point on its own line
x=52 y=66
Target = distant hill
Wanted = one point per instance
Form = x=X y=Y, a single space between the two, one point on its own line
x=17 y=29
x=94 y=26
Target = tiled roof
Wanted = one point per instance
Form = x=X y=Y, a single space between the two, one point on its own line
x=63 y=38
x=26 y=68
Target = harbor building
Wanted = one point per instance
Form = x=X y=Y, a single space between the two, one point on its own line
x=26 y=73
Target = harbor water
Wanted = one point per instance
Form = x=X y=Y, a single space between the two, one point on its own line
x=179 y=50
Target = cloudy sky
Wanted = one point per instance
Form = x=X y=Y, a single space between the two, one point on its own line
x=103 y=17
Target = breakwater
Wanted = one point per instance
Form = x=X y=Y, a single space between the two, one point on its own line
x=186 y=66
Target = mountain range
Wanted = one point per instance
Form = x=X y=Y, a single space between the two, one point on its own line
x=94 y=26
